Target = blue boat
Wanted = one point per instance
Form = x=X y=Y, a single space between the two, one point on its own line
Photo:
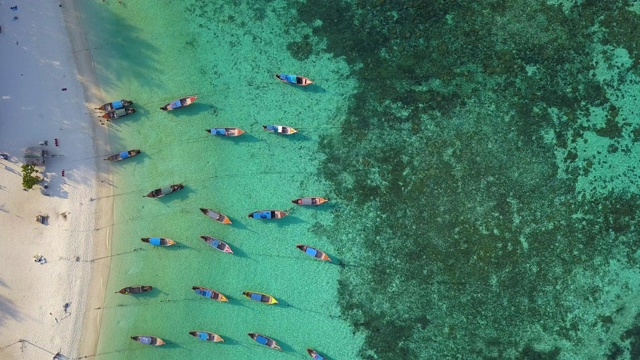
x=265 y=340
x=123 y=155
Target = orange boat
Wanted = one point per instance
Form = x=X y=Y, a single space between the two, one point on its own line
x=314 y=200
x=225 y=131
x=210 y=294
x=157 y=241
x=223 y=219
x=206 y=336
x=268 y=214
x=313 y=252
x=294 y=79
x=180 y=103
x=279 y=129
x=148 y=340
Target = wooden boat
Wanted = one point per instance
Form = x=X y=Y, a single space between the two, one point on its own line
x=134 y=290
x=160 y=192
x=206 y=336
x=148 y=340
x=217 y=244
x=279 y=129
x=157 y=241
x=265 y=340
x=225 y=131
x=313 y=252
x=314 y=200
x=216 y=216
x=210 y=294
x=294 y=79
x=260 y=297
x=113 y=106
x=116 y=114
x=180 y=103
x=268 y=214
x=314 y=354
x=123 y=155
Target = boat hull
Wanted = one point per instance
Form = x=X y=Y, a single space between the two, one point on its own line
x=268 y=214
x=179 y=103
x=119 y=113
x=221 y=218
x=160 y=192
x=115 y=105
x=279 y=129
x=217 y=244
x=294 y=79
x=123 y=155
x=206 y=336
x=314 y=354
x=265 y=340
x=314 y=253
x=130 y=290
x=231 y=132
x=148 y=340
x=209 y=294
x=158 y=241
x=260 y=297
x=310 y=201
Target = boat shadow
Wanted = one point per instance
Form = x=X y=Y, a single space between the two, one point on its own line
x=244 y=138
x=297 y=137
x=171 y=345
x=289 y=221
x=194 y=109
x=314 y=88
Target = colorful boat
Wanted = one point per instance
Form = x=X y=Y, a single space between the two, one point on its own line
x=223 y=219
x=176 y=104
x=123 y=155
x=116 y=114
x=206 y=336
x=225 y=131
x=113 y=106
x=279 y=129
x=134 y=290
x=217 y=244
x=294 y=79
x=313 y=252
x=260 y=297
x=158 y=241
x=314 y=354
x=210 y=294
x=148 y=340
x=160 y=192
x=314 y=200
x=268 y=214
x=265 y=340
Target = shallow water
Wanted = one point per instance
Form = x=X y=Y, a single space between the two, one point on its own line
x=481 y=160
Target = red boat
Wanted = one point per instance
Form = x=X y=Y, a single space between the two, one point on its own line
x=180 y=103
x=315 y=201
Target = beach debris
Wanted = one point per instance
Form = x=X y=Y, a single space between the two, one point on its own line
x=62 y=173
x=4 y=156
x=66 y=307
x=43 y=219
x=55 y=141
x=14 y=8
x=65 y=214
x=44 y=143
x=39 y=259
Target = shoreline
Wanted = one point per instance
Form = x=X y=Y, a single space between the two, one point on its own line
x=91 y=319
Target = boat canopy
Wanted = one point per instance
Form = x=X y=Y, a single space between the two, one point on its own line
x=203 y=335
x=145 y=340
x=154 y=241
x=175 y=104
x=262 y=340
x=256 y=297
x=264 y=214
x=311 y=251
x=124 y=154
x=117 y=104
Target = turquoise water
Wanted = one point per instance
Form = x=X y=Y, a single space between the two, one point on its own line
x=481 y=159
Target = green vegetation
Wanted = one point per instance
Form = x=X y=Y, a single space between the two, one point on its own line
x=29 y=180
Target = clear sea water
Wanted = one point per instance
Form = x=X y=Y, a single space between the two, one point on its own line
x=481 y=160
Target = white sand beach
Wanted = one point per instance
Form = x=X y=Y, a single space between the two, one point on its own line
x=47 y=94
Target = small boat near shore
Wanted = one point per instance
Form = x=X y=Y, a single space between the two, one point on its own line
x=209 y=294
x=260 y=297
x=206 y=336
x=225 y=131
x=313 y=252
x=123 y=155
x=130 y=290
x=265 y=340
x=117 y=114
x=294 y=79
x=223 y=219
x=313 y=201
x=279 y=129
x=268 y=214
x=148 y=340
x=158 y=241
x=314 y=354
x=180 y=103
x=115 y=105
x=160 y=192
x=217 y=244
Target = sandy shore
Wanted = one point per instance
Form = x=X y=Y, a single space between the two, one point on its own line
x=47 y=94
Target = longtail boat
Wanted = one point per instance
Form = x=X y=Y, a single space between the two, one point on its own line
x=260 y=297
x=134 y=290
x=225 y=131
x=160 y=192
x=116 y=114
x=314 y=354
x=180 y=103
x=279 y=129
x=210 y=294
x=216 y=216
x=294 y=79
x=314 y=201
x=268 y=214
x=206 y=336
x=118 y=104
x=313 y=252
x=158 y=241
x=123 y=155
x=217 y=244
x=148 y=340
x=265 y=340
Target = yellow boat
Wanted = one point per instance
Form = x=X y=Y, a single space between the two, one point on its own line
x=260 y=297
